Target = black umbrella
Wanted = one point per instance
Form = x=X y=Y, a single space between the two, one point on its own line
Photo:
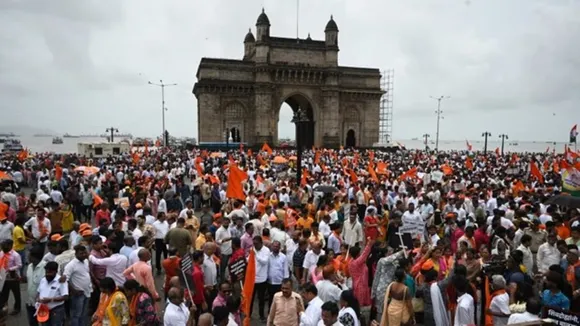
x=326 y=189
x=565 y=200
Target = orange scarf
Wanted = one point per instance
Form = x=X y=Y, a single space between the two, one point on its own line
x=4 y=261
x=41 y=228
x=570 y=276
x=133 y=309
x=102 y=309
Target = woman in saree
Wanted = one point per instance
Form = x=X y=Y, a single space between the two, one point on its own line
x=141 y=305
x=398 y=302
x=434 y=257
x=113 y=309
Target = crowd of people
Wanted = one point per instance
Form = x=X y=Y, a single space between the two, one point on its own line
x=363 y=237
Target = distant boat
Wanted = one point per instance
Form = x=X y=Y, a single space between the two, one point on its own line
x=10 y=134
x=12 y=146
x=43 y=135
x=57 y=140
x=415 y=138
x=513 y=144
x=69 y=136
x=130 y=136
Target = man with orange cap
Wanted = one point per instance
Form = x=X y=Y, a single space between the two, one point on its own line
x=52 y=294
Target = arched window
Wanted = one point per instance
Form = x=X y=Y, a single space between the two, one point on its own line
x=234 y=112
x=351 y=115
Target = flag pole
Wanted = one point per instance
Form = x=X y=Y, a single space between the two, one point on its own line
x=297 y=19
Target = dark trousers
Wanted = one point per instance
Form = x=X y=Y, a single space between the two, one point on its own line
x=30 y=311
x=260 y=290
x=56 y=317
x=362 y=209
x=272 y=289
x=94 y=300
x=224 y=262
x=160 y=247
x=210 y=295
x=14 y=287
x=87 y=212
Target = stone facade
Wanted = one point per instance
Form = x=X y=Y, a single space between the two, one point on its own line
x=246 y=95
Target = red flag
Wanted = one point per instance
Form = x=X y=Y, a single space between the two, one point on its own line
x=266 y=148
x=248 y=289
x=535 y=171
x=235 y=179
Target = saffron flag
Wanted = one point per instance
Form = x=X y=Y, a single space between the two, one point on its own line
x=573 y=134
x=469 y=163
x=235 y=187
x=411 y=173
x=535 y=171
x=248 y=289
x=382 y=168
x=58 y=172
x=266 y=148
x=97 y=200
x=372 y=173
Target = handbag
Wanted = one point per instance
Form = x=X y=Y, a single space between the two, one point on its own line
x=418 y=304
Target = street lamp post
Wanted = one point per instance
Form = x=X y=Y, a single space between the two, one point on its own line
x=163 y=108
x=112 y=130
x=439 y=117
x=299 y=118
x=485 y=134
x=426 y=137
x=503 y=138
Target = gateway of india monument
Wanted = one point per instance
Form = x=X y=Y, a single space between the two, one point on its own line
x=240 y=100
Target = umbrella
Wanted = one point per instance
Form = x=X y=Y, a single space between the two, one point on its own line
x=87 y=170
x=292 y=158
x=279 y=160
x=565 y=200
x=326 y=189
x=5 y=176
x=217 y=155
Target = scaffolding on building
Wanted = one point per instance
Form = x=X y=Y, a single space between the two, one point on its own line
x=386 y=109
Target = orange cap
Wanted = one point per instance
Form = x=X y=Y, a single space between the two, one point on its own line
x=43 y=313
x=428 y=265
x=86 y=233
x=56 y=237
x=217 y=215
x=83 y=227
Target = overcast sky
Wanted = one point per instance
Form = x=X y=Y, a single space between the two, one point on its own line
x=80 y=66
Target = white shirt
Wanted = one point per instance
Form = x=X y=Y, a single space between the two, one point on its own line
x=176 y=315
x=522 y=318
x=313 y=313
x=352 y=232
x=34 y=276
x=280 y=236
x=328 y=291
x=547 y=256
x=225 y=246
x=277 y=268
x=33 y=223
x=262 y=261
x=136 y=234
x=209 y=271
x=52 y=289
x=465 y=313
x=162 y=207
x=324 y=228
x=528 y=258
x=310 y=259
x=500 y=303
x=6 y=230
x=77 y=274
x=116 y=265
x=161 y=229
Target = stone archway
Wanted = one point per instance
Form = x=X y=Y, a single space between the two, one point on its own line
x=233 y=121
x=350 y=138
x=305 y=132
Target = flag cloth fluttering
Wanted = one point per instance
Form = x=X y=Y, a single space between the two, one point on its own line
x=235 y=179
x=248 y=289
x=573 y=134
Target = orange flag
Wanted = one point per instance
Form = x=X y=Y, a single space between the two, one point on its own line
x=199 y=169
x=353 y=176
x=235 y=179
x=97 y=200
x=371 y=156
x=382 y=168
x=266 y=148
x=447 y=170
x=372 y=173
x=23 y=155
x=136 y=158
x=409 y=174
x=248 y=289
x=58 y=172
x=535 y=171
x=469 y=163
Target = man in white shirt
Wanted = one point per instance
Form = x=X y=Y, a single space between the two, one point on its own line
x=533 y=309
x=161 y=228
x=412 y=217
x=524 y=247
x=40 y=226
x=499 y=306
x=53 y=294
x=6 y=227
x=80 y=286
x=329 y=314
x=277 y=270
x=465 y=312
x=310 y=259
x=176 y=312
x=313 y=313
x=352 y=231
x=223 y=238
x=548 y=254
x=116 y=264
x=262 y=254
